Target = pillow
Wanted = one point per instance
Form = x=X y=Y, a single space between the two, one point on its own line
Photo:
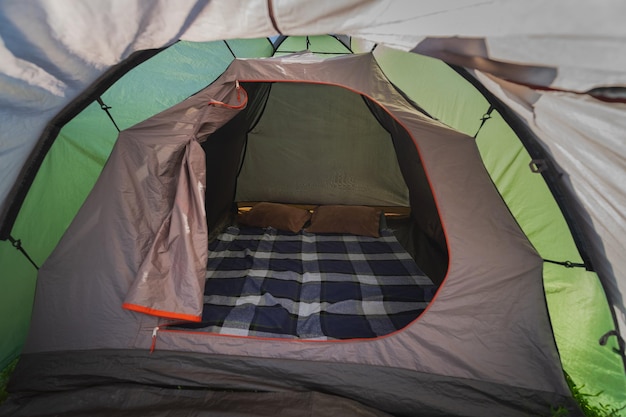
x=355 y=220
x=278 y=216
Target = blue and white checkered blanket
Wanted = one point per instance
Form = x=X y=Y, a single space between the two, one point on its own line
x=269 y=283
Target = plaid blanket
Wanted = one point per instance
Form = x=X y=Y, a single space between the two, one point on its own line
x=269 y=283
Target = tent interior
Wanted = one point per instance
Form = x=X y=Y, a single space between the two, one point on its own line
x=318 y=145
x=327 y=164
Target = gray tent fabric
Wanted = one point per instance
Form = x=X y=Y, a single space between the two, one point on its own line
x=160 y=286
x=174 y=402
x=170 y=280
x=487 y=330
x=201 y=377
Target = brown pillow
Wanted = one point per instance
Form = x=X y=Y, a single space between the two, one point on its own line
x=355 y=220
x=278 y=216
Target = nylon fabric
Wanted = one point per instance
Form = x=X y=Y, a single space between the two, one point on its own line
x=165 y=281
x=390 y=390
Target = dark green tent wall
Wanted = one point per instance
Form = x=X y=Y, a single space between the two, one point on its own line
x=74 y=162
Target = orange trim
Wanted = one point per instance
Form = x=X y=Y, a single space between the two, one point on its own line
x=239 y=106
x=161 y=313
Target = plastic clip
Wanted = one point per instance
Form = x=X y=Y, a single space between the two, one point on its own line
x=537 y=165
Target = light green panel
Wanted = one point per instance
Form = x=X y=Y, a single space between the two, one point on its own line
x=435 y=87
x=580 y=317
x=319 y=44
x=70 y=169
x=251 y=48
x=176 y=73
x=173 y=75
x=525 y=192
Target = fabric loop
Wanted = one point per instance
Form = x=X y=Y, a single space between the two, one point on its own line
x=17 y=244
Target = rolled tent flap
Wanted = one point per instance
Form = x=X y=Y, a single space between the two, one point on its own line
x=170 y=280
x=140 y=239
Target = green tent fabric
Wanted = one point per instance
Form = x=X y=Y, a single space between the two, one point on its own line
x=75 y=160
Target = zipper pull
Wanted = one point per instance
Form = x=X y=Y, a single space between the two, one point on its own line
x=154 y=337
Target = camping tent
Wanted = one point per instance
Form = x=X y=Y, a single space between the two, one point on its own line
x=529 y=97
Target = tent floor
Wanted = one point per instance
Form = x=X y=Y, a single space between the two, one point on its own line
x=166 y=383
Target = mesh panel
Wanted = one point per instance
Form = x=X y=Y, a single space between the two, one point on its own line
x=320 y=144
